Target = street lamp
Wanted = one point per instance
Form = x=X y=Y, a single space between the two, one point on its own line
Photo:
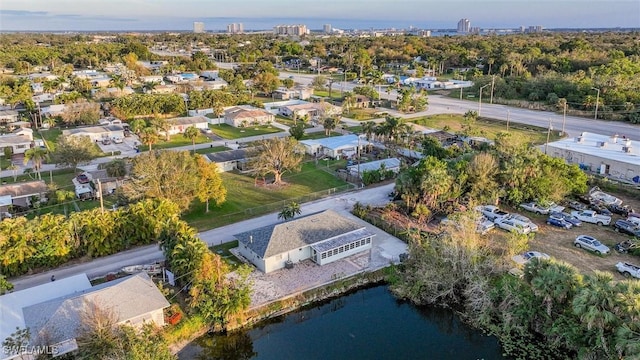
x=546 y=144
x=461 y=79
x=597 y=101
x=480 y=99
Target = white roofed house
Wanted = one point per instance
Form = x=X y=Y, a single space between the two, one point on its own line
x=180 y=124
x=313 y=110
x=391 y=164
x=97 y=133
x=245 y=115
x=615 y=156
x=335 y=146
x=8 y=116
x=322 y=237
x=19 y=141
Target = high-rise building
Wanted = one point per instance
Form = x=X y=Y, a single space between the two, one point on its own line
x=464 y=26
x=198 y=27
x=290 y=30
x=327 y=28
x=235 y=28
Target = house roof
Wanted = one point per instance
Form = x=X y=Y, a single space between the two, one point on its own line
x=590 y=144
x=242 y=113
x=127 y=298
x=8 y=113
x=24 y=189
x=188 y=120
x=11 y=305
x=335 y=142
x=390 y=163
x=12 y=139
x=308 y=230
x=231 y=155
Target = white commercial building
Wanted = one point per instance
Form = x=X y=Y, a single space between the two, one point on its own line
x=613 y=156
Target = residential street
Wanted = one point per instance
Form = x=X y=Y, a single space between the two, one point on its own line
x=148 y=254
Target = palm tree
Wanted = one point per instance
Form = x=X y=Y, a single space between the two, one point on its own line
x=50 y=121
x=137 y=125
x=162 y=124
x=63 y=197
x=148 y=136
x=118 y=82
x=289 y=211
x=349 y=100
x=191 y=133
x=329 y=125
x=368 y=128
x=37 y=155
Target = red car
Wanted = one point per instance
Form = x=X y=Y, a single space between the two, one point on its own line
x=82 y=178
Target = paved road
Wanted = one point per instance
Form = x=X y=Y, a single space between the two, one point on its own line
x=149 y=254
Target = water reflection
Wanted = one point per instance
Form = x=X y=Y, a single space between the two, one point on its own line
x=367 y=324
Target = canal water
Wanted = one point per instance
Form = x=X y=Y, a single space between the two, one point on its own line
x=367 y=324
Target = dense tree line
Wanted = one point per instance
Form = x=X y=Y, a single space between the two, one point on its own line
x=51 y=240
x=127 y=107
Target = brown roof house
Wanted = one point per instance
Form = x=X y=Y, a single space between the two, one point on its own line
x=246 y=115
x=22 y=194
x=323 y=237
x=180 y=124
x=19 y=141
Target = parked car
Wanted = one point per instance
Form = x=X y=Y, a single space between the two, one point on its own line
x=634 y=219
x=541 y=209
x=601 y=209
x=592 y=217
x=625 y=246
x=106 y=141
x=528 y=256
x=576 y=205
x=491 y=212
x=628 y=270
x=512 y=225
x=559 y=222
x=626 y=227
x=597 y=195
x=524 y=221
x=117 y=140
x=83 y=178
x=620 y=209
x=574 y=221
x=484 y=225
x=591 y=243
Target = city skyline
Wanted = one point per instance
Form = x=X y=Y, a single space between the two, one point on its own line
x=93 y=15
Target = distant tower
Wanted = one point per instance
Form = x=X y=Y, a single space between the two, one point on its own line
x=464 y=26
x=327 y=28
x=235 y=28
x=198 y=27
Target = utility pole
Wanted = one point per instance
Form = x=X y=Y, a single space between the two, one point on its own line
x=480 y=99
x=100 y=195
x=493 y=81
x=508 y=116
x=548 y=133
x=564 y=116
x=595 y=116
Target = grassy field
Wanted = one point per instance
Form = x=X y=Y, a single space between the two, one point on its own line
x=227 y=256
x=50 y=137
x=335 y=93
x=318 y=135
x=245 y=199
x=62 y=178
x=229 y=132
x=362 y=114
x=289 y=122
x=176 y=140
x=487 y=128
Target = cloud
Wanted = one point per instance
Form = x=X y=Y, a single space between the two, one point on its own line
x=23 y=13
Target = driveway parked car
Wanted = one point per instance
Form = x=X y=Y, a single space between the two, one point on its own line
x=512 y=225
x=601 y=209
x=576 y=205
x=620 y=209
x=590 y=243
x=491 y=212
x=524 y=221
x=591 y=216
x=626 y=227
x=541 y=209
x=83 y=179
x=559 y=222
x=574 y=221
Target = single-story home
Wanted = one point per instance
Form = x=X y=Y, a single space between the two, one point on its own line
x=296 y=93
x=53 y=110
x=335 y=146
x=97 y=133
x=322 y=237
x=19 y=141
x=392 y=164
x=211 y=85
x=314 y=110
x=162 y=89
x=231 y=159
x=8 y=116
x=246 y=115
x=21 y=194
x=111 y=92
x=178 y=125
x=158 y=79
x=53 y=311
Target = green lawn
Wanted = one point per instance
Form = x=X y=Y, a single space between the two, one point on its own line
x=318 y=135
x=176 y=140
x=210 y=150
x=488 y=128
x=4 y=163
x=62 y=178
x=289 y=122
x=226 y=131
x=362 y=114
x=227 y=256
x=335 y=93
x=246 y=200
x=50 y=137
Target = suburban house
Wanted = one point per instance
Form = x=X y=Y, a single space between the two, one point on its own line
x=301 y=93
x=392 y=164
x=53 y=311
x=362 y=101
x=53 y=110
x=158 y=79
x=211 y=85
x=97 y=133
x=111 y=92
x=102 y=81
x=178 y=125
x=322 y=237
x=8 y=116
x=22 y=194
x=246 y=115
x=314 y=110
x=162 y=89
x=335 y=146
x=231 y=159
x=19 y=141
x=615 y=156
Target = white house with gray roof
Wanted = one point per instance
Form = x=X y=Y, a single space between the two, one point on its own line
x=322 y=237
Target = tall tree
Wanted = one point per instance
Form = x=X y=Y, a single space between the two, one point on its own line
x=210 y=186
x=277 y=156
x=74 y=150
x=192 y=133
x=36 y=155
x=329 y=125
x=162 y=124
x=149 y=136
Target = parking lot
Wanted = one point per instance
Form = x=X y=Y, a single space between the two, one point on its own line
x=128 y=145
x=558 y=242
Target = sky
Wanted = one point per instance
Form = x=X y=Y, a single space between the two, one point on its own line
x=93 y=15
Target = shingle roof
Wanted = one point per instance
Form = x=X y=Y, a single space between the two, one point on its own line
x=23 y=189
x=59 y=319
x=230 y=155
x=243 y=113
x=189 y=120
x=278 y=238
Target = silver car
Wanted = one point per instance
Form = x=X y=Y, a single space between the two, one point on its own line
x=591 y=243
